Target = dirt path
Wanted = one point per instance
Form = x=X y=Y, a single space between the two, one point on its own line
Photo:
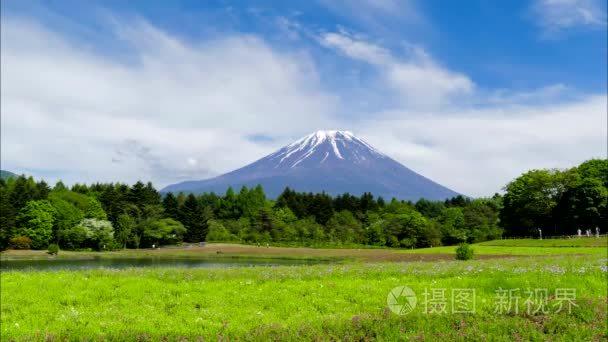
x=235 y=250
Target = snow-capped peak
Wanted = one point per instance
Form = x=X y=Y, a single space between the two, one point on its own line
x=331 y=161
x=319 y=146
x=320 y=136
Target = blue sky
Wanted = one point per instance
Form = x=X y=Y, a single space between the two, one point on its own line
x=470 y=94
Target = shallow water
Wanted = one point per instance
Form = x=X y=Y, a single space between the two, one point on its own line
x=120 y=263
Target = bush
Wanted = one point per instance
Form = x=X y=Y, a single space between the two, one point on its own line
x=53 y=249
x=218 y=233
x=464 y=252
x=20 y=242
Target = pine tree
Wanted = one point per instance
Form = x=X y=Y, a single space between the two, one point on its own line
x=7 y=217
x=322 y=208
x=171 y=206
x=192 y=217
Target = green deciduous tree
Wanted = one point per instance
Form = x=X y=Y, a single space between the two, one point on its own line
x=481 y=220
x=124 y=227
x=165 y=231
x=66 y=217
x=530 y=200
x=35 y=221
x=94 y=210
x=217 y=232
x=584 y=205
x=99 y=233
x=344 y=227
x=453 y=226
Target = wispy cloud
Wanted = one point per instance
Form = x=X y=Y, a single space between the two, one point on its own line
x=555 y=16
x=66 y=108
x=380 y=16
x=374 y=11
x=415 y=76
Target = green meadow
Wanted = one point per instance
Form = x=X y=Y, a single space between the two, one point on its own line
x=336 y=301
x=572 y=242
x=514 y=250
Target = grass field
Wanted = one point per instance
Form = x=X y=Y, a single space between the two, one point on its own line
x=345 y=301
x=574 y=242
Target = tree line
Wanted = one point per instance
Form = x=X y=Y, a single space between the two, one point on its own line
x=557 y=201
x=113 y=215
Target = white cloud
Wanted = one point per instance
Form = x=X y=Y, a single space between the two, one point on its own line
x=68 y=109
x=474 y=139
x=177 y=109
x=357 y=49
x=419 y=80
x=554 y=16
x=478 y=151
x=546 y=94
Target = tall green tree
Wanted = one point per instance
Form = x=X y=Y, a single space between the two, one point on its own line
x=481 y=220
x=530 y=200
x=322 y=208
x=453 y=227
x=8 y=215
x=23 y=191
x=123 y=229
x=164 y=231
x=194 y=218
x=344 y=227
x=429 y=209
x=66 y=217
x=35 y=220
x=229 y=207
x=584 y=205
x=171 y=206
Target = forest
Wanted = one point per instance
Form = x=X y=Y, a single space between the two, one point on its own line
x=109 y=216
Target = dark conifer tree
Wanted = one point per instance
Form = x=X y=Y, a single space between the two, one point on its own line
x=192 y=217
x=171 y=206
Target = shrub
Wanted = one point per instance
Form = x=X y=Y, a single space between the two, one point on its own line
x=53 y=249
x=20 y=242
x=217 y=232
x=464 y=252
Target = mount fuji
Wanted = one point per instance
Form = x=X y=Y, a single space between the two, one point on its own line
x=332 y=161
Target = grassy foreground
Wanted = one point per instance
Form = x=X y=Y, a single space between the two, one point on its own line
x=320 y=302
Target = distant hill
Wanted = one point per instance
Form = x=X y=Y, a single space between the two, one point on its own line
x=332 y=161
x=7 y=174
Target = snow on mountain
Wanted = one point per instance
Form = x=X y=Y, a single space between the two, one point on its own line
x=332 y=161
x=324 y=146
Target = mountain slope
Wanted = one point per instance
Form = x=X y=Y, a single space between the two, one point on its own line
x=332 y=161
x=7 y=174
